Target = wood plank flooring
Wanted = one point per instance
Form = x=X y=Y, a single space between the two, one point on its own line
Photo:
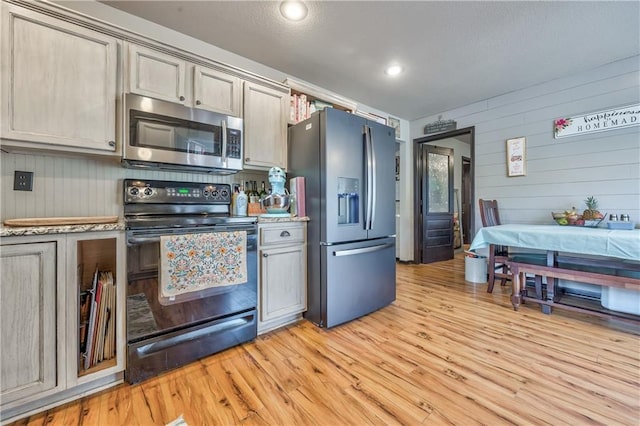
x=445 y=352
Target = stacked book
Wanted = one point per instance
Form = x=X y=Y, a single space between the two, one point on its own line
x=300 y=108
x=98 y=338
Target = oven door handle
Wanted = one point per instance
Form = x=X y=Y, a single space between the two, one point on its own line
x=134 y=241
x=154 y=236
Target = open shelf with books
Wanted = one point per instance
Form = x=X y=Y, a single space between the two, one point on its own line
x=97 y=330
x=307 y=98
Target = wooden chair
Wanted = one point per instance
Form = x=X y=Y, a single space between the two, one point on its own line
x=498 y=255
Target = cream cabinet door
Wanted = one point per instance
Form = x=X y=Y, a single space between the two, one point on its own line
x=216 y=91
x=157 y=75
x=28 y=317
x=58 y=82
x=265 y=127
x=282 y=276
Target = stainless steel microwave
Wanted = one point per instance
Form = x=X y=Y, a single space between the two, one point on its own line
x=166 y=135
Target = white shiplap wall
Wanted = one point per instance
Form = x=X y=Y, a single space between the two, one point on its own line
x=70 y=186
x=561 y=173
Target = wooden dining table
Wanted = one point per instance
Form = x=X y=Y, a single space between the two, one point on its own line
x=608 y=251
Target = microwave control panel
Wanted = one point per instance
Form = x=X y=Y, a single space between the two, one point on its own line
x=234 y=143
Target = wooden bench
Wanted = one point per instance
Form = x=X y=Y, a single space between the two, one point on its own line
x=605 y=278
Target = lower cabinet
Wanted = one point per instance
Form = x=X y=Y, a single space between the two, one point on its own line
x=29 y=321
x=283 y=274
x=47 y=288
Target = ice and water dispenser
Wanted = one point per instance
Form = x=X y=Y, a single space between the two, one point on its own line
x=348 y=200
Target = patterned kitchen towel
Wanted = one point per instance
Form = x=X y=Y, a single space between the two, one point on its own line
x=194 y=262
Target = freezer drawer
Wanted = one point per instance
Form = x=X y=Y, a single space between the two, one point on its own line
x=360 y=278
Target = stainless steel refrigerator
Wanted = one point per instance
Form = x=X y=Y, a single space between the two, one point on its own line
x=349 y=167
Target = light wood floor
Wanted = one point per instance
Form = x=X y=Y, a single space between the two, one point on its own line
x=445 y=352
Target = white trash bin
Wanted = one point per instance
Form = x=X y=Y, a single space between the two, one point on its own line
x=475 y=269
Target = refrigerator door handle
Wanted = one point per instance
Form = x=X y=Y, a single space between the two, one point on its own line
x=374 y=182
x=368 y=177
x=362 y=250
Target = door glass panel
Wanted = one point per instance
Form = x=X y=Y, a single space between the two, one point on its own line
x=348 y=200
x=438 y=166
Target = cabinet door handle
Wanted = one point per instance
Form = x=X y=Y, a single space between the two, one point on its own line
x=181 y=98
x=265 y=255
x=285 y=234
x=247 y=159
x=112 y=143
x=198 y=102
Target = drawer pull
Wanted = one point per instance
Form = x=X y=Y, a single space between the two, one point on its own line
x=265 y=255
x=285 y=234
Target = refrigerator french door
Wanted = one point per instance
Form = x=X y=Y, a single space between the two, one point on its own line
x=357 y=178
x=349 y=168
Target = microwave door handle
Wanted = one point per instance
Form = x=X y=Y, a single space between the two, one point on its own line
x=224 y=142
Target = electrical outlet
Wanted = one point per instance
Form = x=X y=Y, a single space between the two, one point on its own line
x=23 y=181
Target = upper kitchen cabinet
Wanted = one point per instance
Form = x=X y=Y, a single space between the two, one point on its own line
x=265 y=126
x=163 y=76
x=216 y=91
x=59 y=84
x=157 y=75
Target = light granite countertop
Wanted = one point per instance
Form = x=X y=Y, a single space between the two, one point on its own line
x=283 y=219
x=19 y=231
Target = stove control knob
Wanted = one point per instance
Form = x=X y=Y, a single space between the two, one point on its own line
x=134 y=191
x=224 y=193
x=206 y=192
x=214 y=194
x=148 y=191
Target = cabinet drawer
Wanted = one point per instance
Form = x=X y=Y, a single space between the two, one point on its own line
x=280 y=235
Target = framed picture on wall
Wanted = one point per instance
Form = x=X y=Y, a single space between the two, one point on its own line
x=516 y=157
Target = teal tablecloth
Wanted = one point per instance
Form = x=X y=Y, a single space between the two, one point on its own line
x=623 y=244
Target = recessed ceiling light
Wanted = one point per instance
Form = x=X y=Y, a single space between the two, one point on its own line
x=293 y=10
x=393 y=70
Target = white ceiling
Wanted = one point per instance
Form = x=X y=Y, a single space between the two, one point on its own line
x=454 y=53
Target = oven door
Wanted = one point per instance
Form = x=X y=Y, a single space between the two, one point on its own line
x=150 y=315
x=161 y=337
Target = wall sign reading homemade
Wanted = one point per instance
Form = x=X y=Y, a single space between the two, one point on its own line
x=597 y=121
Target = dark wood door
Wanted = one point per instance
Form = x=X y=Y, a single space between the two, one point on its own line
x=436 y=203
